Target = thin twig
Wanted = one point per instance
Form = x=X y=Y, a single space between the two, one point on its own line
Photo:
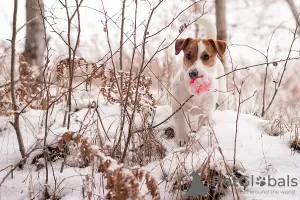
x=256 y=65
x=16 y=123
x=284 y=68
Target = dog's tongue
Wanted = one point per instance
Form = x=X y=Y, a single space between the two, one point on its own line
x=200 y=86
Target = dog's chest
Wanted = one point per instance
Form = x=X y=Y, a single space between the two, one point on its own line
x=203 y=100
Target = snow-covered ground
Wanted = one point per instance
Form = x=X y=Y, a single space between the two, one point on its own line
x=257 y=153
x=250 y=23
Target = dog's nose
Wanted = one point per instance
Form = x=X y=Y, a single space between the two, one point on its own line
x=193 y=73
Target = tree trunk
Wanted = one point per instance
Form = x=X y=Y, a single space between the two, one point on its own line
x=222 y=35
x=295 y=13
x=35 y=32
x=221 y=22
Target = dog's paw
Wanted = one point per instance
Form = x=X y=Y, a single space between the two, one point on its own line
x=169 y=133
x=181 y=141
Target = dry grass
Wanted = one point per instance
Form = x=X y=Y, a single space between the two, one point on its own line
x=137 y=104
x=295 y=144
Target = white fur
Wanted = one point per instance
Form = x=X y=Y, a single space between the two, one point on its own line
x=208 y=23
x=206 y=102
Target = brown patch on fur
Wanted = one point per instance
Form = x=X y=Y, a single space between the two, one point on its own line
x=180 y=44
x=212 y=57
x=213 y=48
x=189 y=46
x=218 y=46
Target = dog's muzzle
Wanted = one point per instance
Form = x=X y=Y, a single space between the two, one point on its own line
x=193 y=73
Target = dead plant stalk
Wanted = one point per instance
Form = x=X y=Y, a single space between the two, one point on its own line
x=284 y=68
x=16 y=123
x=47 y=58
x=71 y=54
x=138 y=82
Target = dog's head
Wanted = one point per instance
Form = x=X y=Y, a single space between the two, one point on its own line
x=200 y=55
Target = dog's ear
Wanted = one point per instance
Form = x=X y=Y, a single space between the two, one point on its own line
x=180 y=44
x=219 y=46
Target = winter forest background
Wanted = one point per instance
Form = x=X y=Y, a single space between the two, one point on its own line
x=85 y=99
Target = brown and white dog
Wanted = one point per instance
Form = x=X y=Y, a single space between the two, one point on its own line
x=200 y=59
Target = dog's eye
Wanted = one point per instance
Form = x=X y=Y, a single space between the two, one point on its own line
x=188 y=56
x=205 y=57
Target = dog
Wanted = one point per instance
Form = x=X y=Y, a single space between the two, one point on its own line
x=201 y=63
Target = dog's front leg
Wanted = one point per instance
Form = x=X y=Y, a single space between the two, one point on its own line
x=181 y=133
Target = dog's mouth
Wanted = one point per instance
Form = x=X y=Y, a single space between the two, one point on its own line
x=192 y=81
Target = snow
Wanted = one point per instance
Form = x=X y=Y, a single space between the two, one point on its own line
x=241 y=22
x=245 y=28
x=257 y=152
